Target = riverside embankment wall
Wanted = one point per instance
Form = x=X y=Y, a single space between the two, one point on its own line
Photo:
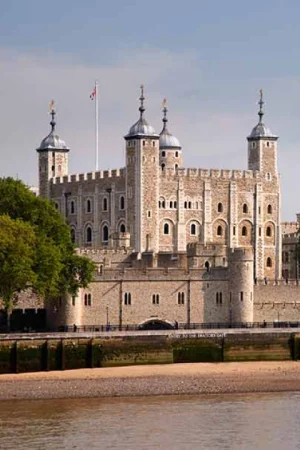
x=35 y=353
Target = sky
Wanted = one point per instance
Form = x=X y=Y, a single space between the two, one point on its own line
x=209 y=59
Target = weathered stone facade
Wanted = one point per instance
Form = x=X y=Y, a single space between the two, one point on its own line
x=157 y=229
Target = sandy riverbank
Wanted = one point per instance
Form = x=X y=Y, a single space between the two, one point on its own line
x=172 y=379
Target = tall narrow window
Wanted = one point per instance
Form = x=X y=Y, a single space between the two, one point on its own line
x=269 y=262
x=122 y=228
x=163 y=167
x=105 y=203
x=155 y=299
x=269 y=232
x=127 y=298
x=190 y=205
x=72 y=207
x=88 y=235
x=220 y=207
x=217 y=298
x=88 y=206
x=89 y=300
x=245 y=208
x=122 y=202
x=180 y=298
x=219 y=231
x=244 y=231
x=72 y=235
x=269 y=209
x=105 y=233
x=193 y=229
x=166 y=228
x=242 y=296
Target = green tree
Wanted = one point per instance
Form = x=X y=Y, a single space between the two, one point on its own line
x=17 y=255
x=58 y=269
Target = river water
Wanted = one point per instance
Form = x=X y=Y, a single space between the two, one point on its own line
x=267 y=421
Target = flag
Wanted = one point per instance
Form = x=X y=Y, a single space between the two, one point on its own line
x=93 y=93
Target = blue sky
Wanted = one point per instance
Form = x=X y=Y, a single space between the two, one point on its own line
x=208 y=58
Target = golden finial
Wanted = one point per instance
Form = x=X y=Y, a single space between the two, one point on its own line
x=51 y=106
x=164 y=103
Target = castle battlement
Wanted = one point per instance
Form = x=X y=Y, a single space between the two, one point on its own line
x=79 y=177
x=225 y=174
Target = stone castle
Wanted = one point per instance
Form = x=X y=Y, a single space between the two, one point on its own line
x=171 y=243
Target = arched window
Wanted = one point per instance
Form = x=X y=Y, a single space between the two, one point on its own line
x=176 y=166
x=166 y=228
x=190 y=205
x=244 y=231
x=105 y=233
x=206 y=265
x=105 y=204
x=163 y=204
x=122 y=228
x=175 y=204
x=269 y=209
x=72 y=235
x=245 y=208
x=269 y=232
x=269 y=262
x=88 y=235
x=88 y=206
x=122 y=202
x=219 y=231
x=176 y=154
x=163 y=167
x=72 y=207
x=193 y=229
x=171 y=204
x=185 y=205
x=163 y=154
x=220 y=207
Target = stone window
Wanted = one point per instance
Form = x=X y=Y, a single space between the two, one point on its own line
x=175 y=204
x=180 y=298
x=253 y=144
x=153 y=143
x=105 y=233
x=244 y=231
x=144 y=143
x=190 y=205
x=163 y=167
x=219 y=231
x=269 y=262
x=269 y=209
x=73 y=235
x=122 y=202
x=171 y=204
x=185 y=205
x=163 y=154
x=122 y=228
x=245 y=208
x=88 y=237
x=233 y=231
x=193 y=229
x=166 y=228
x=219 y=298
x=268 y=176
x=259 y=210
x=87 y=300
x=268 y=144
x=269 y=232
x=176 y=166
x=73 y=300
x=162 y=203
x=149 y=213
x=259 y=232
x=176 y=154
x=155 y=299
x=72 y=207
x=220 y=207
x=88 y=206
x=105 y=204
x=242 y=296
x=127 y=299
x=206 y=265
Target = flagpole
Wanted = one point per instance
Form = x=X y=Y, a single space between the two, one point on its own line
x=96 y=126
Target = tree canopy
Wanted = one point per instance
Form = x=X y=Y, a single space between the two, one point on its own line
x=36 y=250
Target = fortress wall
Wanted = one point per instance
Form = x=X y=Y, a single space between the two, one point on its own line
x=277 y=302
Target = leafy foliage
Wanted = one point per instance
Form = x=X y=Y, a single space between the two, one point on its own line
x=50 y=265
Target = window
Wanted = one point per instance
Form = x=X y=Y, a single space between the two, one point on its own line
x=149 y=213
x=87 y=300
x=127 y=298
x=122 y=228
x=144 y=143
x=72 y=235
x=244 y=231
x=176 y=166
x=166 y=228
x=259 y=210
x=122 y=202
x=242 y=296
x=171 y=204
x=269 y=262
x=253 y=144
x=180 y=298
x=190 y=205
x=206 y=265
x=88 y=206
x=220 y=207
x=176 y=154
x=269 y=209
x=245 y=208
x=88 y=235
x=268 y=144
x=162 y=167
x=219 y=298
x=193 y=229
x=105 y=204
x=73 y=300
x=175 y=204
x=163 y=154
x=219 y=231
x=72 y=207
x=153 y=143
x=233 y=231
x=185 y=205
x=105 y=233
x=259 y=232
x=269 y=232
x=155 y=299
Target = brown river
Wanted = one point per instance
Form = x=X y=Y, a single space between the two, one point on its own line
x=265 y=421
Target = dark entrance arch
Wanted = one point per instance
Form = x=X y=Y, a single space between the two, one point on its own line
x=155 y=324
